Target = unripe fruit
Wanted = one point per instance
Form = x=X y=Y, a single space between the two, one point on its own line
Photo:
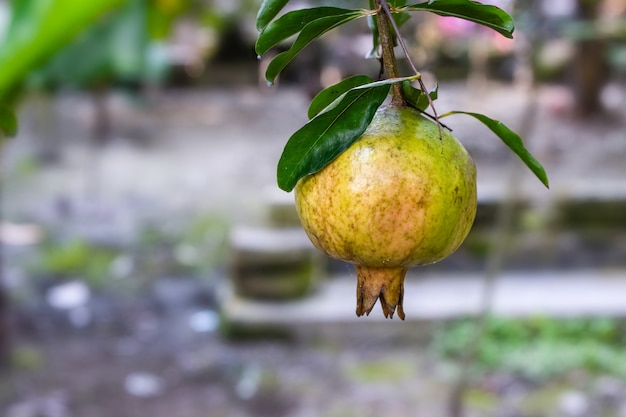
x=397 y=197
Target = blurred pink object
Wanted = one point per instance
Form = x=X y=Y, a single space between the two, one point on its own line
x=451 y=26
x=14 y=234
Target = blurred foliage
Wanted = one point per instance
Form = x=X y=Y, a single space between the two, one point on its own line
x=195 y=247
x=204 y=242
x=539 y=347
x=83 y=43
x=384 y=370
x=76 y=259
x=8 y=122
x=113 y=48
x=161 y=14
x=27 y=358
x=40 y=28
x=91 y=44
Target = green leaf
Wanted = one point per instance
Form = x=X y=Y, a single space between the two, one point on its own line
x=325 y=97
x=388 y=81
x=268 y=11
x=328 y=97
x=483 y=14
x=292 y=23
x=401 y=19
x=8 y=122
x=333 y=98
x=416 y=97
x=310 y=32
x=327 y=135
x=512 y=140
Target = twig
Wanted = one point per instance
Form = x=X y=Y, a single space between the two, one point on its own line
x=388 y=56
x=387 y=10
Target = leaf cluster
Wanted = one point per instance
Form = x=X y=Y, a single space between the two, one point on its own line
x=340 y=114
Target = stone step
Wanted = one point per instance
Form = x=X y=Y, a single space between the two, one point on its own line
x=272 y=263
x=435 y=297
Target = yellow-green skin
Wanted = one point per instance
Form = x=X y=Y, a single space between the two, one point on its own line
x=399 y=196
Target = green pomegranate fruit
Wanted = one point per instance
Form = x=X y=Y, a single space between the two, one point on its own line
x=399 y=196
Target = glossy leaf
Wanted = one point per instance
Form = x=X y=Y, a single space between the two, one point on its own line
x=369 y=84
x=310 y=32
x=325 y=97
x=327 y=135
x=8 y=122
x=484 y=14
x=401 y=19
x=268 y=11
x=292 y=23
x=416 y=97
x=513 y=141
x=388 y=81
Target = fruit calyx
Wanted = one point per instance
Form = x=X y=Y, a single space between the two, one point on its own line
x=384 y=284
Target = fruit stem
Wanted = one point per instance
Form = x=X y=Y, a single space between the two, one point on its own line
x=383 y=7
x=385 y=37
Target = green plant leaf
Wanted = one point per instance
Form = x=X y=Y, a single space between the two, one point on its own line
x=332 y=103
x=268 y=11
x=401 y=19
x=310 y=32
x=330 y=96
x=292 y=23
x=416 y=97
x=327 y=135
x=389 y=81
x=8 y=122
x=325 y=97
x=484 y=14
x=512 y=140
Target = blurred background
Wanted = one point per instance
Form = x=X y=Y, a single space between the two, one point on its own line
x=151 y=266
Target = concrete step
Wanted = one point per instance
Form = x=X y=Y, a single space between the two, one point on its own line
x=272 y=262
x=435 y=297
